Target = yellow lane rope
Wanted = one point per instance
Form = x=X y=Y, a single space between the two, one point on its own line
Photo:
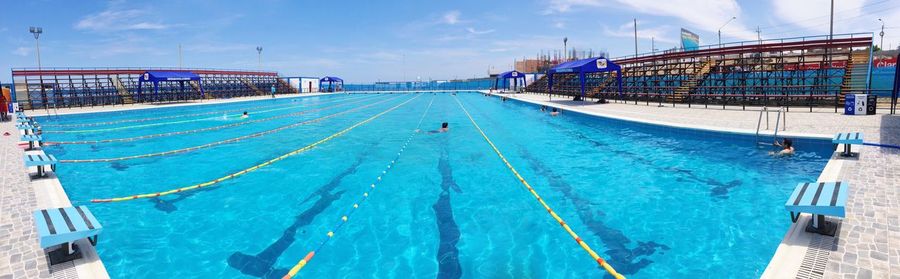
x=178 y=121
x=256 y=167
x=534 y=193
x=293 y=271
x=207 y=128
x=158 y=118
x=254 y=135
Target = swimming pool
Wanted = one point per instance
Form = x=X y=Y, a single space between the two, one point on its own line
x=655 y=202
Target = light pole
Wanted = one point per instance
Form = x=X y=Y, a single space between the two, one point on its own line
x=635 y=38
x=723 y=26
x=259 y=57
x=881 y=34
x=565 y=49
x=36 y=31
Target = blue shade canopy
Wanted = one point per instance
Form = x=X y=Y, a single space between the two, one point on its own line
x=156 y=76
x=588 y=65
x=584 y=66
x=331 y=79
x=511 y=74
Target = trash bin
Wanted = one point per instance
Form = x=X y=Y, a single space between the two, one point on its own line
x=860 y=104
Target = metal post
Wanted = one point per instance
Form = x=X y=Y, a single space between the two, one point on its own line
x=259 y=57
x=635 y=38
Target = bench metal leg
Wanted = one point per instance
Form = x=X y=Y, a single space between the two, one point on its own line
x=819 y=225
x=847 y=152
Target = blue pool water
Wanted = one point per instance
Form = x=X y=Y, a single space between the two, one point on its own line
x=655 y=202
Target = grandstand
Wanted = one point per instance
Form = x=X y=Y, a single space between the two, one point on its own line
x=75 y=87
x=807 y=71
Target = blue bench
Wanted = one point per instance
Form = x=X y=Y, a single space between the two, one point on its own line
x=64 y=226
x=847 y=139
x=31 y=139
x=39 y=161
x=820 y=199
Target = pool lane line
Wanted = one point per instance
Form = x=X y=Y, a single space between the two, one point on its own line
x=231 y=140
x=534 y=193
x=159 y=118
x=235 y=124
x=256 y=167
x=346 y=217
x=179 y=121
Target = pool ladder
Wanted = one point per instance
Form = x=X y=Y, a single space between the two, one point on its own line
x=782 y=113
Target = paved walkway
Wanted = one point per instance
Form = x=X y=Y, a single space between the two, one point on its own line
x=868 y=244
x=20 y=255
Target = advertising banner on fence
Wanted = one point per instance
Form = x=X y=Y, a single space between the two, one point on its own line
x=689 y=40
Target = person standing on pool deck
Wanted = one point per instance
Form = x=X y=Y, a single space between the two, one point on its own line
x=4 y=107
x=273 y=91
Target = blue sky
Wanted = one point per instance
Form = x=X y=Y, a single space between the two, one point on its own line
x=365 y=41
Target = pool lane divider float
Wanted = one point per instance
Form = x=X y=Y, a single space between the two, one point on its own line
x=346 y=217
x=231 y=140
x=207 y=128
x=162 y=117
x=175 y=122
x=534 y=193
x=256 y=167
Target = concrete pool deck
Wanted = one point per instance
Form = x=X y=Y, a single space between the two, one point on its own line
x=868 y=242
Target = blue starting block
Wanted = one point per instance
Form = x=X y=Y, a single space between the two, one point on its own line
x=39 y=161
x=847 y=139
x=28 y=128
x=64 y=226
x=31 y=139
x=820 y=199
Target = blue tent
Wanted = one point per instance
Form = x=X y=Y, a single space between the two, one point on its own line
x=583 y=66
x=168 y=76
x=331 y=80
x=514 y=75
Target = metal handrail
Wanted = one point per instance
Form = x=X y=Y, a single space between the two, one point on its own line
x=782 y=113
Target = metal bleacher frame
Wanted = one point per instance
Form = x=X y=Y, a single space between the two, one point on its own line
x=79 y=87
x=803 y=71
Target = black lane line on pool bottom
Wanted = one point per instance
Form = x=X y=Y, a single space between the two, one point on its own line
x=718 y=190
x=448 y=253
x=625 y=260
x=262 y=264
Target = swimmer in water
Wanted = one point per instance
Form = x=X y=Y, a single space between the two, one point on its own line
x=444 y=128
x=554 y=112
x=245 y=115
x=787 y=147
x=543 y=108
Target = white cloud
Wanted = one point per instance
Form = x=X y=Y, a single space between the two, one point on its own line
x=707 y=15
x=22 y=51
x=559 y=24
x=119 y=20
x=451 y=17
x=479 y=32
x=659 y=33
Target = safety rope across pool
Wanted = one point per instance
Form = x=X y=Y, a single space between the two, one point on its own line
x=160 y=117
x=346 y=217
x=175 y=122
x=256 y=167
x=534 y=193
x=204 y=129
x=254 y=135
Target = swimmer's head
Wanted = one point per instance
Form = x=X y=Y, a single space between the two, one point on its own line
x=554 y=109
x=788 y=143
x=444 y=125
x=245 y=113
